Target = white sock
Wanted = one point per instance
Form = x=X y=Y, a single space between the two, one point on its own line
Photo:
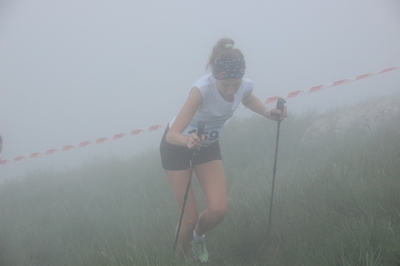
x=196 y=237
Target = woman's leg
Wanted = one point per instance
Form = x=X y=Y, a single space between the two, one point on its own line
x=211 y=177
x=178 y=181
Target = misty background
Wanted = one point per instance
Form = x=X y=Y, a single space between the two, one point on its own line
x=74 y=70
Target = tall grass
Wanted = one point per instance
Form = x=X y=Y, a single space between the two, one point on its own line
x=336 y=203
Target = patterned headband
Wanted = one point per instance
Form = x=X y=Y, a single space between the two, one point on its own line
x=224 y=68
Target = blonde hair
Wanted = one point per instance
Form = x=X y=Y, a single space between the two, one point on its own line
x=222 y=50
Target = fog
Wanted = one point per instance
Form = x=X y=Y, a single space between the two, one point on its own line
x=74 y=70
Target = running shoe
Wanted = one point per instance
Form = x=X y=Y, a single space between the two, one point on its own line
x=200 y=252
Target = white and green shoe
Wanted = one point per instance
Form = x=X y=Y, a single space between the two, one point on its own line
x=200 y=252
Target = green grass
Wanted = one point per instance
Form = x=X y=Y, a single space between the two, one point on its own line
x=336 y=203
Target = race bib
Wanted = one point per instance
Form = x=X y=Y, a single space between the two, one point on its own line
x=211 y=133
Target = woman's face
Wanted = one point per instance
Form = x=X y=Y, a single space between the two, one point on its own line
x=228 y=87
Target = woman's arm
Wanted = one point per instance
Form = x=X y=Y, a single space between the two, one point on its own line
x=254 y=104
x=185 y=115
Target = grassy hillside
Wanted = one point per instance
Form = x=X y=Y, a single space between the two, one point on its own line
x=336 y=203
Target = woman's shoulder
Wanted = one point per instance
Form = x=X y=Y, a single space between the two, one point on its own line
x=247 y=86
x=247 y=81
x=204 y=81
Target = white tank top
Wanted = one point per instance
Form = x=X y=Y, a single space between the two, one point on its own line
x=215 y=110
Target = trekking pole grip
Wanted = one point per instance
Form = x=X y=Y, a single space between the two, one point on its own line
x=200 y=128
x=280 y=104
x=200 y=131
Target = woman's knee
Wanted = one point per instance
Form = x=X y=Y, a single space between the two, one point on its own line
x=218 y=211
x=190 y=222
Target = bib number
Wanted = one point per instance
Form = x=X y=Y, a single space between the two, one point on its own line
x=213 y=135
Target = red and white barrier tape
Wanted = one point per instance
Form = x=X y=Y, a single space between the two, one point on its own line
x=82 y=144
x=156 y=127
x=325 y=86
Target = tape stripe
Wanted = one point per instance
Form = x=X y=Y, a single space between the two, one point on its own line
x=271 y=99
x=67 y=147
x=316 y=88
x=19 y=158
x=340 y=82
x=388 y=70
x=293 y=94
x=136 y=132
x=84 y=144
x=119 y=136
x=101 y=140
x=34 y=155
x=364 y=76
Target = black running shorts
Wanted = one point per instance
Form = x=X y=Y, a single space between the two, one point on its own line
x=175 y=157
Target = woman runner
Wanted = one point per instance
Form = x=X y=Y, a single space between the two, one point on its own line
x=212 y=99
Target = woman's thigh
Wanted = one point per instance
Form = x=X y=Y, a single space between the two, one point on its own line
x=211 y=177
x=178 y=180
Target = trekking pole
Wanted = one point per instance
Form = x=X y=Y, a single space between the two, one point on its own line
x=280 y=106
x=200 y=131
